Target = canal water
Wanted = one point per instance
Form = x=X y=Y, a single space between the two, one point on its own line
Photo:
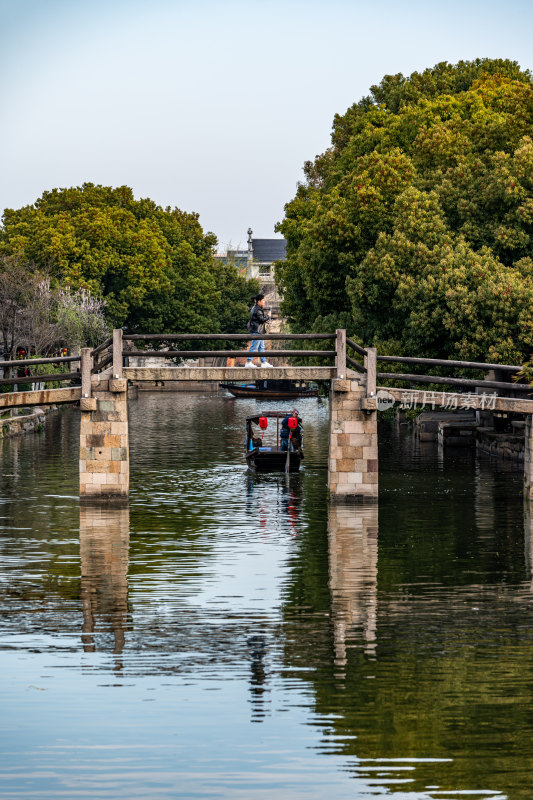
x=230 y=636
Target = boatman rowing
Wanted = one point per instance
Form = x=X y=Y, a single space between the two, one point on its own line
x=291 y=432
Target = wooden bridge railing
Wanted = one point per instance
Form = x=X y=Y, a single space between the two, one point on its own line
x=470 y=383
x=92 y=365
x=36 y=378
x=467 y=383
x=57 y=377
x=336 y=353
x=342 y=359
x=112 y=351
x=100 y=363
x=360 y=351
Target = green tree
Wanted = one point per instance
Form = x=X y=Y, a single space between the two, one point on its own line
x=153 y=266
x=414 y=230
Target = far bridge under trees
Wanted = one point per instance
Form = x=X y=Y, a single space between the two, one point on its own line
x=355 y=396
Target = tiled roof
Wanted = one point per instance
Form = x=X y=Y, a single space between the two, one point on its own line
x=268 y=250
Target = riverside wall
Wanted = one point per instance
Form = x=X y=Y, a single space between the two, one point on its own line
x=30 y=421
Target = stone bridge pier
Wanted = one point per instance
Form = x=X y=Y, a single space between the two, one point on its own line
x=104 y=441
x=353 y=442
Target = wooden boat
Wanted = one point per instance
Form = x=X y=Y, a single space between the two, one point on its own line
x=271 y=389
x=266 y=455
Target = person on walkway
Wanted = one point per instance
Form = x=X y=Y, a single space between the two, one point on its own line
x=257 y=324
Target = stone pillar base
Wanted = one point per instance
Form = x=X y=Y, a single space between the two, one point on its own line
x=353 y=499
x=106 y=499
x=353 y=445
x=104 y=448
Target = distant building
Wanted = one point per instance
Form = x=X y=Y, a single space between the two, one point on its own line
x=258 y=262
x=237 y=257
x=262 y=253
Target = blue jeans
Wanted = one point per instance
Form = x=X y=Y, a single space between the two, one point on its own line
x=257 y=346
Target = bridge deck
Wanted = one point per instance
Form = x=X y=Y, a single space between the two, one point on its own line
x=406 y=397
x=229 y=373
x=41 y=397
x=451 y=401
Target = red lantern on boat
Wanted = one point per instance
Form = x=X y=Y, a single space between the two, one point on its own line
x=293 y=423
x=263 y=423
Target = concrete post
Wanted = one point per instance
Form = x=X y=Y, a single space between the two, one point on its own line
x=117 y=353
x=371 y=371
x=353 y=444
x=86 y=367
x=104 y=444
x=340 y=350
x=528 y=460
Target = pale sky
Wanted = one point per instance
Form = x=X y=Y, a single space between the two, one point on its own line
x=212 y=106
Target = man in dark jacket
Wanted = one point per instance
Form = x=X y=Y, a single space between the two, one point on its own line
x=257 y=324
x=286 y=440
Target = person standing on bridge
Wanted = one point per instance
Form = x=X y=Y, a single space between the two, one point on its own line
x=257 y=324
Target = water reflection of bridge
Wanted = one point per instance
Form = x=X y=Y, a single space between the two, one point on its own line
x=353 y=542
x=363 y=635
x=104 y=557
x=353 y=573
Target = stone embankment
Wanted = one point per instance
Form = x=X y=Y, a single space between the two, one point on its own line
x=509 y=445
x=25 y=421
x=462 y=430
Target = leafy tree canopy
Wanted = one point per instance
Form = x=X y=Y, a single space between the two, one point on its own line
x=415 y=228
x=153 y=266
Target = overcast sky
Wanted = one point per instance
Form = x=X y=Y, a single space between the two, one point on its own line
x=212 y=106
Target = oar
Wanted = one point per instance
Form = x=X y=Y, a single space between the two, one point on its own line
x=288 y=454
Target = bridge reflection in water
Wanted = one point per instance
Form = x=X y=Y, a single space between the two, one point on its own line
x=104 y=556
x=353 y=573
x=528 y=540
